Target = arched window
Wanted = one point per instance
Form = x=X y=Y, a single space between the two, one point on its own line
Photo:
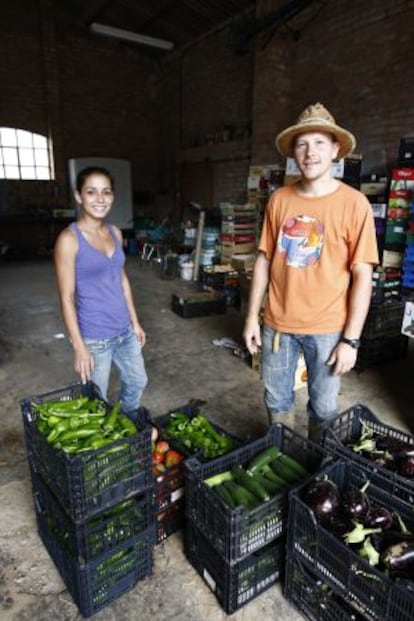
x=24 y=155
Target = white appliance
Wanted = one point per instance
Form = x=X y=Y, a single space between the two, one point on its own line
x=122 y=210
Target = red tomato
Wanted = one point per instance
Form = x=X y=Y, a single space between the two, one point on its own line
x=162 y=446
x=172 y=458
x=157 y=458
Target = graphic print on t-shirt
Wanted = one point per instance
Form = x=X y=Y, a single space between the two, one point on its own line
x=301 y=240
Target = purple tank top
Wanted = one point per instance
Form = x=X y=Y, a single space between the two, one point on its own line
x=100 y=303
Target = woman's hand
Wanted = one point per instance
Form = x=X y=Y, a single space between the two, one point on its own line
x=141 y=336
x=83 y=363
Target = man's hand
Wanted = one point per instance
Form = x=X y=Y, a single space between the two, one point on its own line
x=252 y=335
x=343 y=359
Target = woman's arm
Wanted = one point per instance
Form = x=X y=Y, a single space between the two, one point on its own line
x=258 y=288
x=66 y=248
x=136 y=326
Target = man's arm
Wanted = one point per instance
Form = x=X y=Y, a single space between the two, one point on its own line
x=344 y=356
x=260 y=280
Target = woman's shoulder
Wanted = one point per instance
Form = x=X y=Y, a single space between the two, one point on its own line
x=68 y=238
x=116 y=231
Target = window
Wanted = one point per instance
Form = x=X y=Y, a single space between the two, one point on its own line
x=24 y=155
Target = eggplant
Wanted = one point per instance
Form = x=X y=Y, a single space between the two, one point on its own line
x=322 y=496
x=394 y=446
x=405 y=466
x=355 y=502
x=399 y=557
x=338 y=524
x=379 y=517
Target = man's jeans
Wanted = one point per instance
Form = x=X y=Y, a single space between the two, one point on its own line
x=279 y=367
x=125 y=352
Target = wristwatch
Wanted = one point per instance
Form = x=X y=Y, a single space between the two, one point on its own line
x=355 y=343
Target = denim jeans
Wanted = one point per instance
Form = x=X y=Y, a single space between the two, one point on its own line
x=279 y=367
x=125 y=353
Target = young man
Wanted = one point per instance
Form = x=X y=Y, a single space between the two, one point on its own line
x=315 y=258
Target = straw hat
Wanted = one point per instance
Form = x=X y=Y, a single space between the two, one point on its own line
x=315 y=118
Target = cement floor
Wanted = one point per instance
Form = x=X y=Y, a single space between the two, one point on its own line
x=182 y=364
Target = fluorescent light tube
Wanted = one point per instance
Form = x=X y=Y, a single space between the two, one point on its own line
x=128 y=35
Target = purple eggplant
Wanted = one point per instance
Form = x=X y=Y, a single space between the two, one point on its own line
x=399 y=557
x=338 y=524
x=405 y=466
x=322 y=496
x=355 y=502
x=379 y=517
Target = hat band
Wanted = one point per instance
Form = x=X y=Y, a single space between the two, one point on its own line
x=316 y=121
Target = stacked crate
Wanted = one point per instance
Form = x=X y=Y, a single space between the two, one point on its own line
x=238 y=230
x=94 y=509
x=381 y=338
x=224 y=279
x=240 y=552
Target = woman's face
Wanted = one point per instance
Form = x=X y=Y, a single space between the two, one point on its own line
x=96 y=196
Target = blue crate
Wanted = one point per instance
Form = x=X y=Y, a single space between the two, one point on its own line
x=341 y=567
x=100 y=582
x=347 y=428
x=234 y=584
x=87 y=483
x=237 y=532
x=104 y=533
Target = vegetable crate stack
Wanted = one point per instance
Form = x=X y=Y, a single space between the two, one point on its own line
x=236 y=513
x=354 y=541
x=381 y=338
x=178 y=435
x=222 y=278
x=238 y=230
x=92 y=489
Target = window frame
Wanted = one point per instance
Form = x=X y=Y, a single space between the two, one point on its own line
x=25 y=155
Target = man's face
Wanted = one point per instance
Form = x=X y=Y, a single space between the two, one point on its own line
x=314 y=152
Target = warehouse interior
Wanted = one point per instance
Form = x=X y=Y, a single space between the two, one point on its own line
x=186 y=98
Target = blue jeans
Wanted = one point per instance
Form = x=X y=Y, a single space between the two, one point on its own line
x=279 y=367
x=126 y=353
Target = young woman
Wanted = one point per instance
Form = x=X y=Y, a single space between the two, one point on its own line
x=95 y=295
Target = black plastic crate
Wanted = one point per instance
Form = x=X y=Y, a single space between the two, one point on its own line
x=170 y=520
x=168 y=487
x=375 y=351
x=237 y=532
x=315 y=599
x=384 y=319
x=190 y=410
x=340 y=566
x=87 y=483
x=98 y=583
x=347 y=428
x=87 y=541
x=234 y=584
x=218 y=279
x=199 y=304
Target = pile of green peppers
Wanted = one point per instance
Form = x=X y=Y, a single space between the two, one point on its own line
x=198 y=434
x=82 y=424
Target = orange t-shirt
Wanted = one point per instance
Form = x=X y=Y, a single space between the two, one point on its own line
x=311 y=244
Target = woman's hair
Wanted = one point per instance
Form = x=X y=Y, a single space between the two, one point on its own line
x=92 y=170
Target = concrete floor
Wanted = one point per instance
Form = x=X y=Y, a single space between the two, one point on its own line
x=182 y=364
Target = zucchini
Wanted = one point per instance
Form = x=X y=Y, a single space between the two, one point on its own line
x=249 y=482
x=225 y=495
x=219 y=478
x=270 y=486
x=294 y=465
x=268 y=473
x=262 y=459
x=284 y=472
x=241 y=495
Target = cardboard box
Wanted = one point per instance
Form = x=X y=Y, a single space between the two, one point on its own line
x=392 y=258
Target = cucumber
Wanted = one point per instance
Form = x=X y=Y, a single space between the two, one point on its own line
x=224 y=495
x=218 y=478
x=262 y=459
x=240 y=495
x=284 y=472
x=249 y=482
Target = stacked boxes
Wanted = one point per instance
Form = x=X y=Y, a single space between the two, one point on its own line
x=238 y=551
x=398 y=213
x=381 y=338
x=94 y=509
x=238 y=230
x=225 y=280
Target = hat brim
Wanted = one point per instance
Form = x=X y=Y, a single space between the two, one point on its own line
x=285 y=141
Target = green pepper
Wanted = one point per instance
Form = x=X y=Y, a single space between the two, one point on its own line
x=127 y=424
x=77 y=434
x=57 y=430
x=110 y=423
